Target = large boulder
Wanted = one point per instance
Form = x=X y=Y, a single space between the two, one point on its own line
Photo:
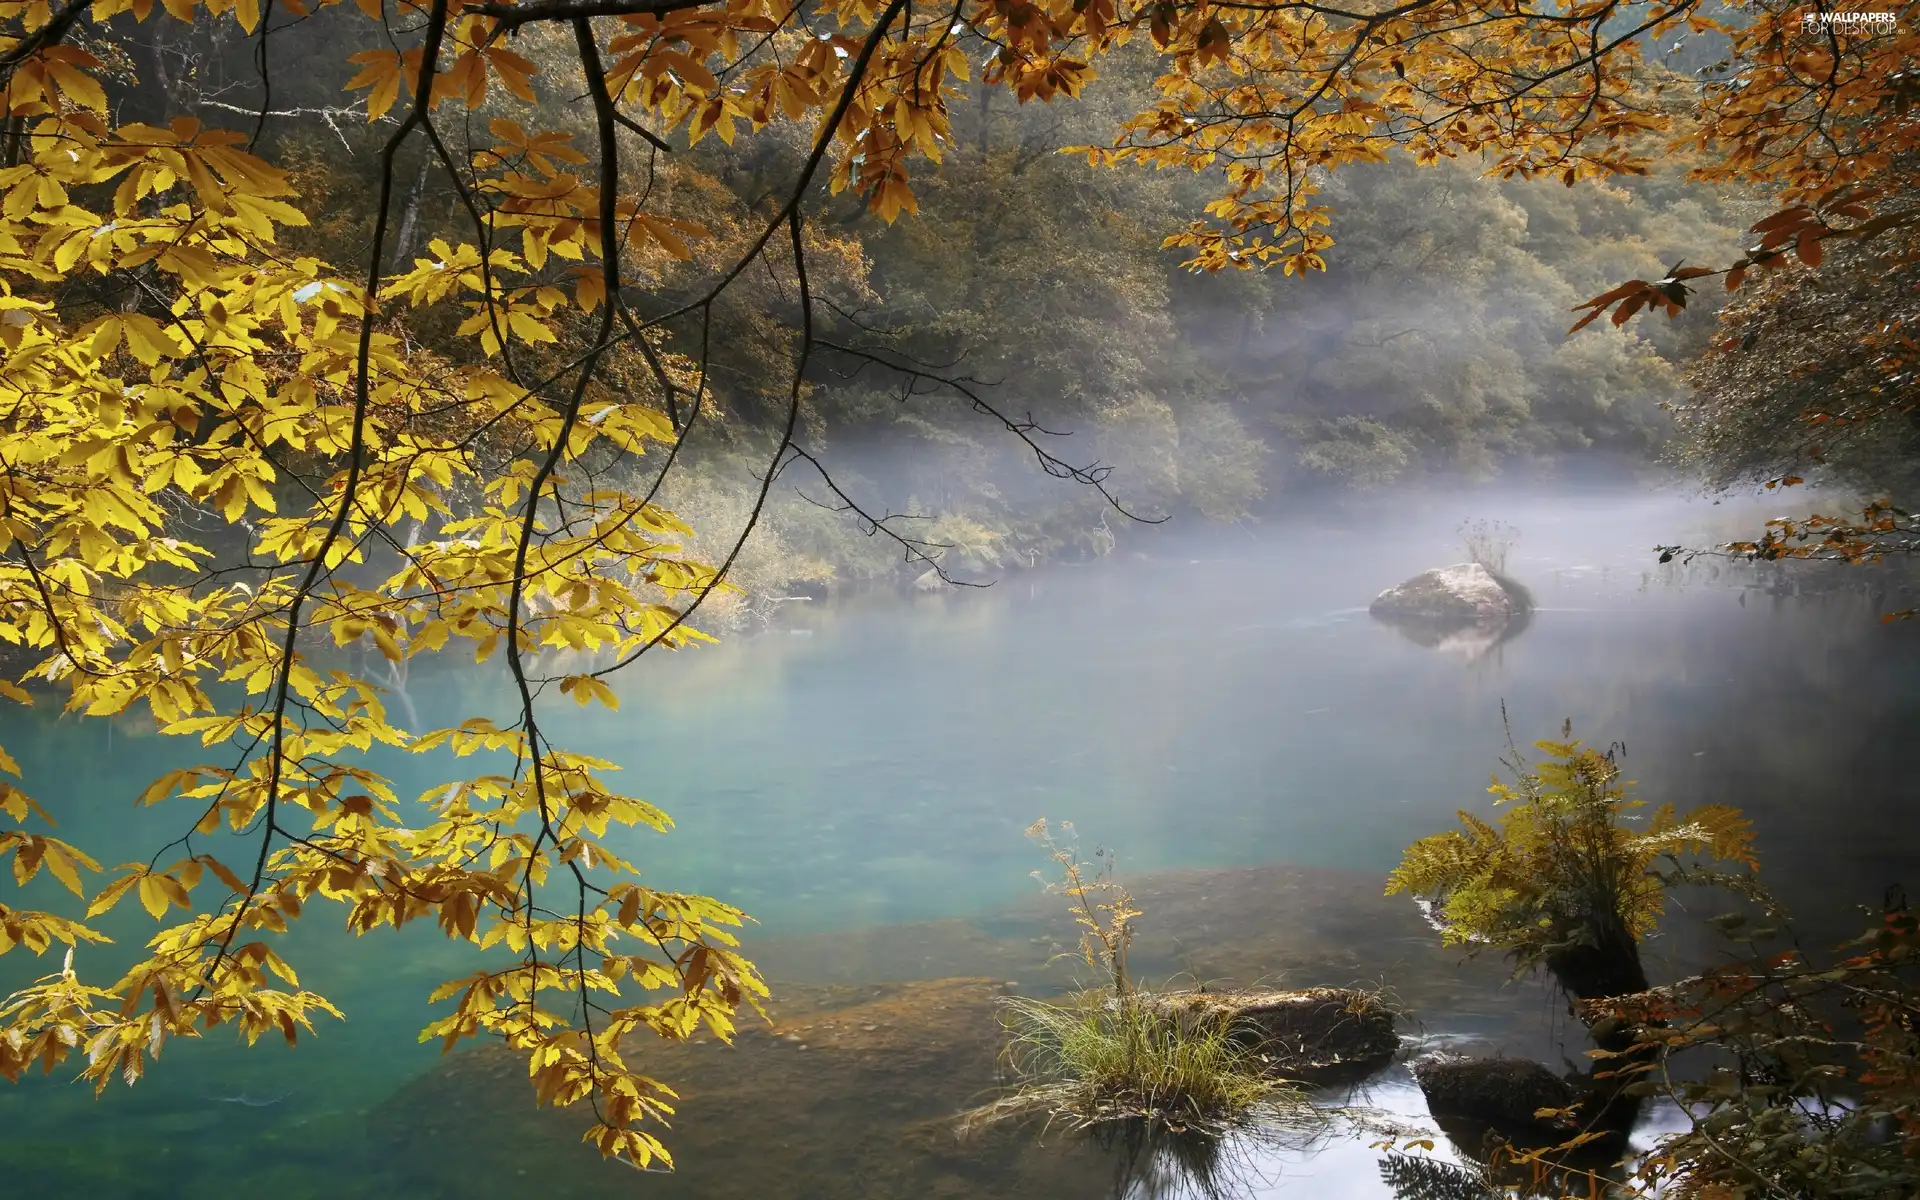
x=1465 y=594
x=1301 y=1032
x=1504 y=1092
x=1464 y=610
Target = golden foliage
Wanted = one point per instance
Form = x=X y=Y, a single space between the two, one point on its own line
x=1817 y=112
x=228 y=378
x=1571 y=854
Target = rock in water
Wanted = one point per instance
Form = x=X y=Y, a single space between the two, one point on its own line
x=1467 y=594
x=1498 y=1091
x=1308 y=1031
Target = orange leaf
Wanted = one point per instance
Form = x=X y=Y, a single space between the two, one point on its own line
x=1631 y=287
x=1585 y=321
x=1808 y=247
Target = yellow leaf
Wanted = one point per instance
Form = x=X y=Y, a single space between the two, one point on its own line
x=78 y=86
x=62 y=868
x=111 y=894
x=380 y=71
x=153 y=897
x=146 y=339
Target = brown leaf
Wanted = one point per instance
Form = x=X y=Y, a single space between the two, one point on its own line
x=1786 y=218
x=1808 y=247
x=1629 y=288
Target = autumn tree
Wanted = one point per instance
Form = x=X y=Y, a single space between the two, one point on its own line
x=1811 y=372
x=426 y=445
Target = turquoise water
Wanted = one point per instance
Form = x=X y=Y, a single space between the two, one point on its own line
x=1222 y=702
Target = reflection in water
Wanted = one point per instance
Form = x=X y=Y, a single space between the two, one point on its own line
x=1465 y=639
x=1154 y=1164
x=1418 y=1177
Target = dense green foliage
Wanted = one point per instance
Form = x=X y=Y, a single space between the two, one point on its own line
x=1437 y=347
x=1809 y=378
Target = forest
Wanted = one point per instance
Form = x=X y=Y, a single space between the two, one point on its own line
x=1004 y=410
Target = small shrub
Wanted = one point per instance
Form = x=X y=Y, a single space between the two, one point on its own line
x=1488 y=543
x=1572 y=876
x=1100 y=906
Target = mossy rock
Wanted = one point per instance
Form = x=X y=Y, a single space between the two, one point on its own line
x=1505 y=1092
x=1302 y=1032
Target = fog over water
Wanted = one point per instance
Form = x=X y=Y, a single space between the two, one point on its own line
x=1202 y=700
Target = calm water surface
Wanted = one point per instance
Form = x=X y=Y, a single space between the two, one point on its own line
x=859 y=780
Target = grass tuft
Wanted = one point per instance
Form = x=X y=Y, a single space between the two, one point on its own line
x=1094 y=1058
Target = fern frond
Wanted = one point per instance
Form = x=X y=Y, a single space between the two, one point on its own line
x=1561 y=862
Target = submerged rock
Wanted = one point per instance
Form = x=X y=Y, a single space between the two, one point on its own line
x=1467 y=593
x=1314 y=1030
x=1498 y=1091
x=865 y=1112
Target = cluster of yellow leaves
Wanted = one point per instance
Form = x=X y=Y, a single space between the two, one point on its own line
x=1819 y=113
x=1275 y=95
x=1568 y=840
x=385 y=494
x=475 y=58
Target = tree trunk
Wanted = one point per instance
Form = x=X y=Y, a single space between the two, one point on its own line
x=1610 y=967
x=986 y=120
x=163 y=77
x=410 y=215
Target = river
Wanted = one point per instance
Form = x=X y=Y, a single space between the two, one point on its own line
x=1217 y=707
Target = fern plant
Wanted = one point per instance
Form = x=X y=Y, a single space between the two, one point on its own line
x=1572 y=874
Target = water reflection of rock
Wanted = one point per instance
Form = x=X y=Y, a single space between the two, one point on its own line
x=852 y=1091
x=1468 y=640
